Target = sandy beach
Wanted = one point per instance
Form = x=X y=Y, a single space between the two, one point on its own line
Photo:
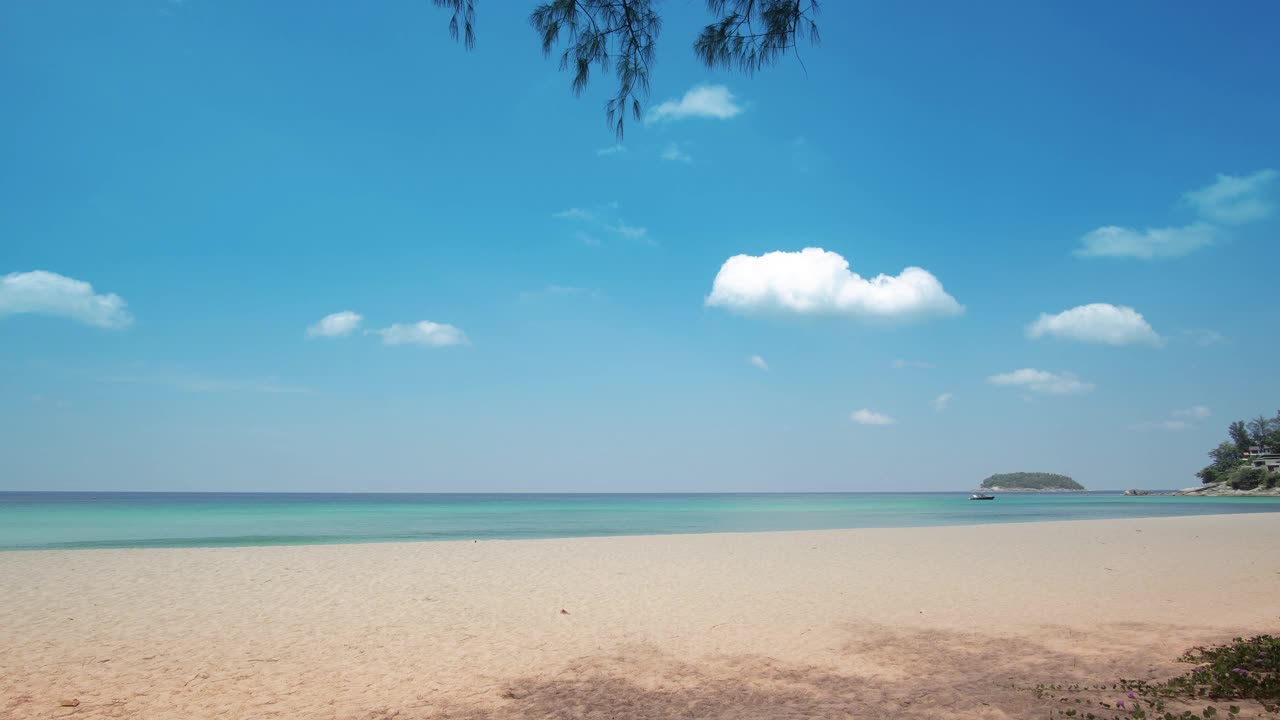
x=910 y=623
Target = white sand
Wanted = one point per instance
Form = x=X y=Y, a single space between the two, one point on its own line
x=926 y=622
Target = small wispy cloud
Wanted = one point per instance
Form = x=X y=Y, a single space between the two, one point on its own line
x=593 y=223
x=1228 y=200
x=424 y=332
x=1202 y=337
x=558 y=291
x=673 y=152
x=337 y=324
x=1180 y=419
x=1150 y=244
x=701 y=101
x=1233 y=200
x=40 y=292
x=1198 y=412
x=942 y=402
x=758 y=361
x=904 y=364
x=1043 y=382
x=574 y=213
x=870 y=417
x=611 y=150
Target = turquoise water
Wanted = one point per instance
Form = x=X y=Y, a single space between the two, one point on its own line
x=36 y=521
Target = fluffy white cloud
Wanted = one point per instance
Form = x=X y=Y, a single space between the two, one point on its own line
x=422 y=333
x=1196 y=411
x=1096 y=323
x=870 y=417
x=1043 y=382
x=1149 y=244
x=704 y=101
x=942 y=402
x=46 y=293
x=336 y=324
x=758 y=362
x=817 y=281
x=1233 y=200
x=673 y=152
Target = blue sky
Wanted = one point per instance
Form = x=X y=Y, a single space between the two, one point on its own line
x=224 y=174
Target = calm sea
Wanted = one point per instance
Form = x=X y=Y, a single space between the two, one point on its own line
x=39 y=521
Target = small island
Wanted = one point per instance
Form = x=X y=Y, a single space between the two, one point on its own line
x=1031 y=482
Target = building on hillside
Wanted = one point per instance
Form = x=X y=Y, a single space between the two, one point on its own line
x=1264 y=458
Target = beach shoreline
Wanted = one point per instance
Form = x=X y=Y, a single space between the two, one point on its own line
x=912 y=622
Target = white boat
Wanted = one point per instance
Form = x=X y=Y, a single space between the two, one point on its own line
x=982 y=496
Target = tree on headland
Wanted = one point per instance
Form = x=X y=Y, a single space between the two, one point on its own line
x=1261 y=429
x=1226 y=457
x=1240 y=435
x=1229 y=462
x=622 y=34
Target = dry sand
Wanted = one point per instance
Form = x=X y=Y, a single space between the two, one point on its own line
x=901 y=623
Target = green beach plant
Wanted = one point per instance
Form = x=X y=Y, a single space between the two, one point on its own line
x=1245 y=671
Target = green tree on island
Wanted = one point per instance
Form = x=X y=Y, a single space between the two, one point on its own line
x=1229 y=461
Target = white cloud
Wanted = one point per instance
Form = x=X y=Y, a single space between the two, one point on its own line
x=758 y=362
x=1149 y=244
x=870 y=417
x=422 y=333
x=602 y=220
x=45 y=293
x=941 y=402
x=629 y=231
x=1203 y=338
x=574 y=213
x=1043 y=382
x=1196 y=411
x=1180 y=419
x=1096 y=323
x=817 y=281
x=611 y=150
x=673 y=152
x=704 y=101
x=1233 y=200
x=336 y=324
x=558 y=291
x=1170 y=425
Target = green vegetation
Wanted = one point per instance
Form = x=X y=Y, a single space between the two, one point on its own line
x=1229 y=463
x=1243 y=671
x=621 y=35
x=1031 y=481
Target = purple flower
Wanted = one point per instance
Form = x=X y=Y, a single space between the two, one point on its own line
x=1132 y=696
x=1240 y=671
x=1120 y=704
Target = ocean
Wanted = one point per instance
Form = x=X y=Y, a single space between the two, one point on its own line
x=44 y=521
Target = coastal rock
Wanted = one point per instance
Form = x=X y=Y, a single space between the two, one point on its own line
x=1135 y=491
x=1224 y=490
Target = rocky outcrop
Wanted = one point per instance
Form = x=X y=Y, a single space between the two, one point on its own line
x=1224 y=490
x=1137 y=492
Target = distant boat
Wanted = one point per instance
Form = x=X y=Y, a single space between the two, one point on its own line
x=982 y=496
